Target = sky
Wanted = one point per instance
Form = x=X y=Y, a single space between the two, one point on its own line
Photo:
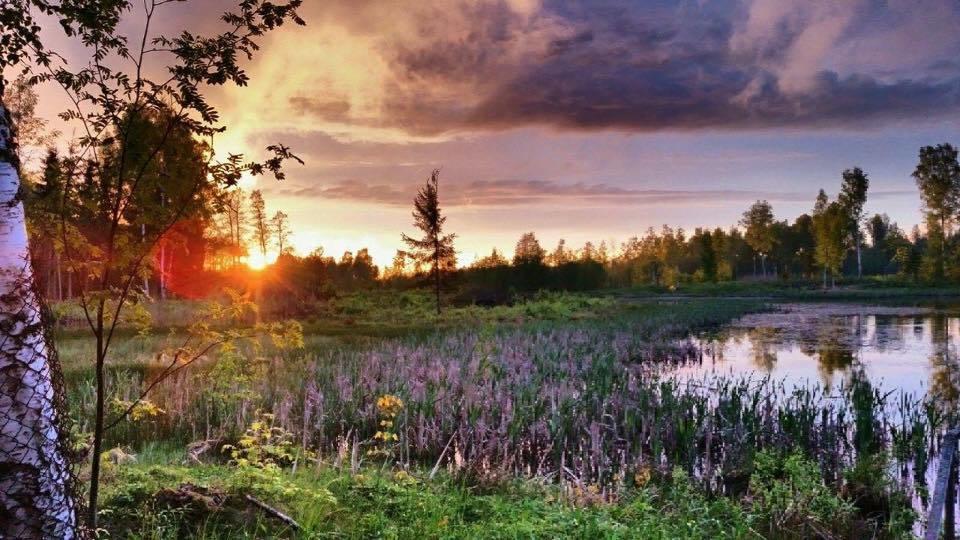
x=586 y=120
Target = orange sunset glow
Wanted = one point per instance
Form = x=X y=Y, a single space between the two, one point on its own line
x=375 y=95
x=259 y=261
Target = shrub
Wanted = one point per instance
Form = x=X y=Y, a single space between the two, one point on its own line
x=263 y=446
x=791 y=501
x=873 y=491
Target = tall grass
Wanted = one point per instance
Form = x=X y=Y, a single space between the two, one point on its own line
x=585 y=403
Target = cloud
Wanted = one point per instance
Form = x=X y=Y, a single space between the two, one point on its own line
x=791 y=40
x=505 y=193
x=436 y=67
x=335 y=110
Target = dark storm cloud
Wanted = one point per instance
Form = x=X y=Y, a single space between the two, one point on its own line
x=688 y=96
x=642 y=66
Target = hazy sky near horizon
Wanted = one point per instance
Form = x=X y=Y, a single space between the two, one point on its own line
x=589 y=120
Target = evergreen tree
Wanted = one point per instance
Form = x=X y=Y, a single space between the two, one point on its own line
x=43 y=213
x=529 y=251
x=879 y=226
x=261 y=226
x=434 y=247
x=493 y=260
x=398 y=267
x=587 y=253
x=561 y=255
x=363 y=271
x=236 y=214
x=708 y=257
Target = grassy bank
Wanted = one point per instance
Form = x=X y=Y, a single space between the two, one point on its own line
x=866 y=290
x=162 y=501
x=374 y=313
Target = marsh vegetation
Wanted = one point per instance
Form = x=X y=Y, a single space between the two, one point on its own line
x=587 y=415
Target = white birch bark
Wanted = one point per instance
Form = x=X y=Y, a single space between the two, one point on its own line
x=35 y=496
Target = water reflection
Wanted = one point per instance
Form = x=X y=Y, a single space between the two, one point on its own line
x=891 y=348
x=763 y=344
x=945 y=376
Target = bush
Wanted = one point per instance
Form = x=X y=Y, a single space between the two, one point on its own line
x=790 y=499
x=869 y=485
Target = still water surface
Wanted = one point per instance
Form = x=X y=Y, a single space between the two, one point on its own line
x=909 y=349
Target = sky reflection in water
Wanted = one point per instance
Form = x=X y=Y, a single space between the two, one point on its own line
x=914 y=350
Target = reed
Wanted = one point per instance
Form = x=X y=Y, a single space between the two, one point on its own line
x=590 y=404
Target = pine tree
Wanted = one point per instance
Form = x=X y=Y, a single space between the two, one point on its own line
x=234 y=208
x=43 y=213
x=434 y=247
x=708 y=257
x=398 y=267
x=261 y=227
x=561 y=255
x=528 y=250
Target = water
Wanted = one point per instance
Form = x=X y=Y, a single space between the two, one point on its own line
x=913 y=350
x=907 y=349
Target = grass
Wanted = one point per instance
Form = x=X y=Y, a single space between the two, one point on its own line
x=373 y=313
x=384 y=313
x=153 y=499
x=882 y=289
x=332 y=502
x=388 y=505
x=549 y=418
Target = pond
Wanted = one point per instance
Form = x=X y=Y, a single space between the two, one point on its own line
x=911 y=349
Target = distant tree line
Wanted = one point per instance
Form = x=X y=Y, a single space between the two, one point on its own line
x=836 y=239
x=224 y=226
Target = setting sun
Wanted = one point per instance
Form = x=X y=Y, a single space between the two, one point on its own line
x=258 y=261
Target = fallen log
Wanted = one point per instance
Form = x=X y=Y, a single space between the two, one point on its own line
x=274 y=512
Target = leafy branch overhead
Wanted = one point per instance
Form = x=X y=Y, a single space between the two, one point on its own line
x=145 y=157
x=114 y=85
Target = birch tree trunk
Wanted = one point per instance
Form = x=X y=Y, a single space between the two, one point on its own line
x=859 y=257
x=35 y=490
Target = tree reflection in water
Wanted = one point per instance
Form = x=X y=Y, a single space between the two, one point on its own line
x=915 y=352
x=764 y=343
x=945 y=369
